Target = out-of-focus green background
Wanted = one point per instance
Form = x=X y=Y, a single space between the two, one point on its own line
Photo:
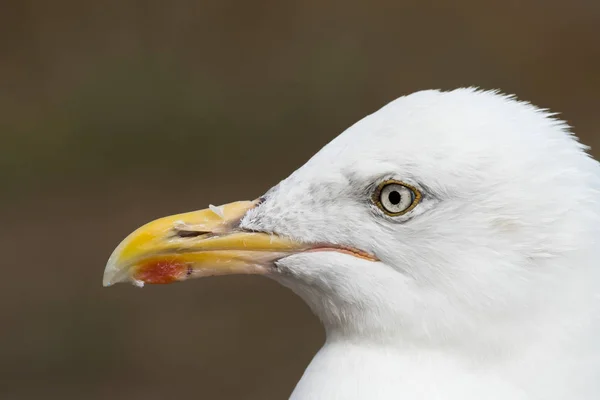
x=116 y=112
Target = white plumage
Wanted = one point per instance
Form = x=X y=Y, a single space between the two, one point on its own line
x=487 y=289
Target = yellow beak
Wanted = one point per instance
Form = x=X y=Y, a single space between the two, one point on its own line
x=200 y=243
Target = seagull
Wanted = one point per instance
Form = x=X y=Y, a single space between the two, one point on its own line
x=448 y=242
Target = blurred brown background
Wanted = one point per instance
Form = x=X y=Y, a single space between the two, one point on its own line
x=116 y=112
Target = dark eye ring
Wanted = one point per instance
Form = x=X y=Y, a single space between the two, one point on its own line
x=396 y=198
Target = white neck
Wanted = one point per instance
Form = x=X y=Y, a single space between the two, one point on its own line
x=494 y=363
x=343 y=370
x=353 y=371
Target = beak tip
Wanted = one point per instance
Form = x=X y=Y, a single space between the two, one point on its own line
x=114 y=271
x=112 y=274
x=107 y=278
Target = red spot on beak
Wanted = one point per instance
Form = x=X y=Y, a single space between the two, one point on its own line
x=161 y=272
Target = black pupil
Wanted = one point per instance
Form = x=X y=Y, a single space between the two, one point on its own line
x=394 y=197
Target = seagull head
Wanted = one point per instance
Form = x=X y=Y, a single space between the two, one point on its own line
x=444 y=217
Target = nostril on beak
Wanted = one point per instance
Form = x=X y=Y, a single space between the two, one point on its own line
x=189 y=234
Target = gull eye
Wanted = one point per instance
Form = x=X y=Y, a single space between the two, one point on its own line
x=396 y=198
